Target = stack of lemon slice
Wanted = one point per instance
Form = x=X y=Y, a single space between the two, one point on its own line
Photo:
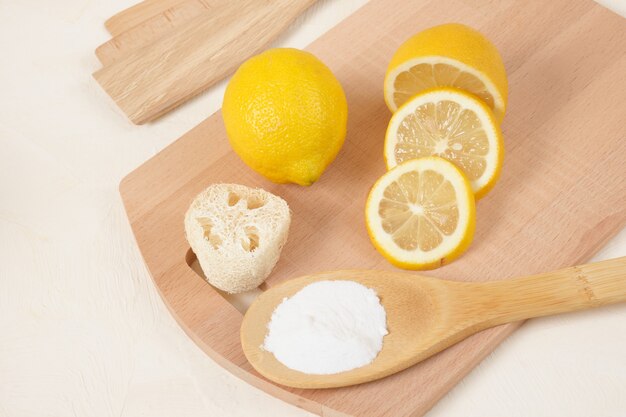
x=447 y=88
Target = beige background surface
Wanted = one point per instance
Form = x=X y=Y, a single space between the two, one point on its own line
x=82 y=330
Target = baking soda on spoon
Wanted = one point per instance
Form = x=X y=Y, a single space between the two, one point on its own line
x=327 y=327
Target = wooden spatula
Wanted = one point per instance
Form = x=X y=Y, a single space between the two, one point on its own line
x=135 y=15
x=153 y=28
x=426 y=315
x=158 y=77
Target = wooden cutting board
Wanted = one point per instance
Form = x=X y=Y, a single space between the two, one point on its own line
x=561 y=196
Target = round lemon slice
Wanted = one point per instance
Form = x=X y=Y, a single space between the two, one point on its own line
x=454 y=125
x=451 y=55
x=421 y=214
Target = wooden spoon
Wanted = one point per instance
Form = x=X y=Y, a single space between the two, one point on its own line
x=426 y=315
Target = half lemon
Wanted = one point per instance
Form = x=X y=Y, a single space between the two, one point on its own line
x=451 y=55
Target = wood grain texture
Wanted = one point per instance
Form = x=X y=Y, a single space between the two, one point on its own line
x=135 y=15
x=153 y=28
x=158 y=77
x=561 y=196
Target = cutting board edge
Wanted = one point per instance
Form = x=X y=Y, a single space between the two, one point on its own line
x=141 y=212
x=278 y=391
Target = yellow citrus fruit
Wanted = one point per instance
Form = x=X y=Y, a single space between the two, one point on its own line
x=452 y=124
x=285 y=115
x=452 y=55
x=421 y=214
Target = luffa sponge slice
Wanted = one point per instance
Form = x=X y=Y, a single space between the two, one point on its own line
x=237 y=234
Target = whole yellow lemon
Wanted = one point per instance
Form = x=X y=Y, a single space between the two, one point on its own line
x=285 y=115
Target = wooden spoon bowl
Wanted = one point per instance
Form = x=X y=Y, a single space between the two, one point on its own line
x=426 y=315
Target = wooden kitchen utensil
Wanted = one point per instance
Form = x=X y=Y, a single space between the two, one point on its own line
x=426 y=315
x=561 y=195
x=135 y=15
x=153 y=28
x=152 y=80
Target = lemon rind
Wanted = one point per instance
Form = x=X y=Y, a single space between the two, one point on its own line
x=456 y=244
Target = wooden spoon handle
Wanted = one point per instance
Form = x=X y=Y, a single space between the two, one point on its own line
x=569 y=289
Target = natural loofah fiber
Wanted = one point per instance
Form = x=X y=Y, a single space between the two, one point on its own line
x=237 y=233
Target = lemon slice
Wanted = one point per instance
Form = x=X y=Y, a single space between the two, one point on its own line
x=451 y=55
x=454 y=125
x=421 y=214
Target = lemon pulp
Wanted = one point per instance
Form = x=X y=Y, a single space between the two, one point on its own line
x=418 y=209
x=454 y=125
x=423 y=76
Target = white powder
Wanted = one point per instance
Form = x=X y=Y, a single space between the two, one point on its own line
x=327 y=327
